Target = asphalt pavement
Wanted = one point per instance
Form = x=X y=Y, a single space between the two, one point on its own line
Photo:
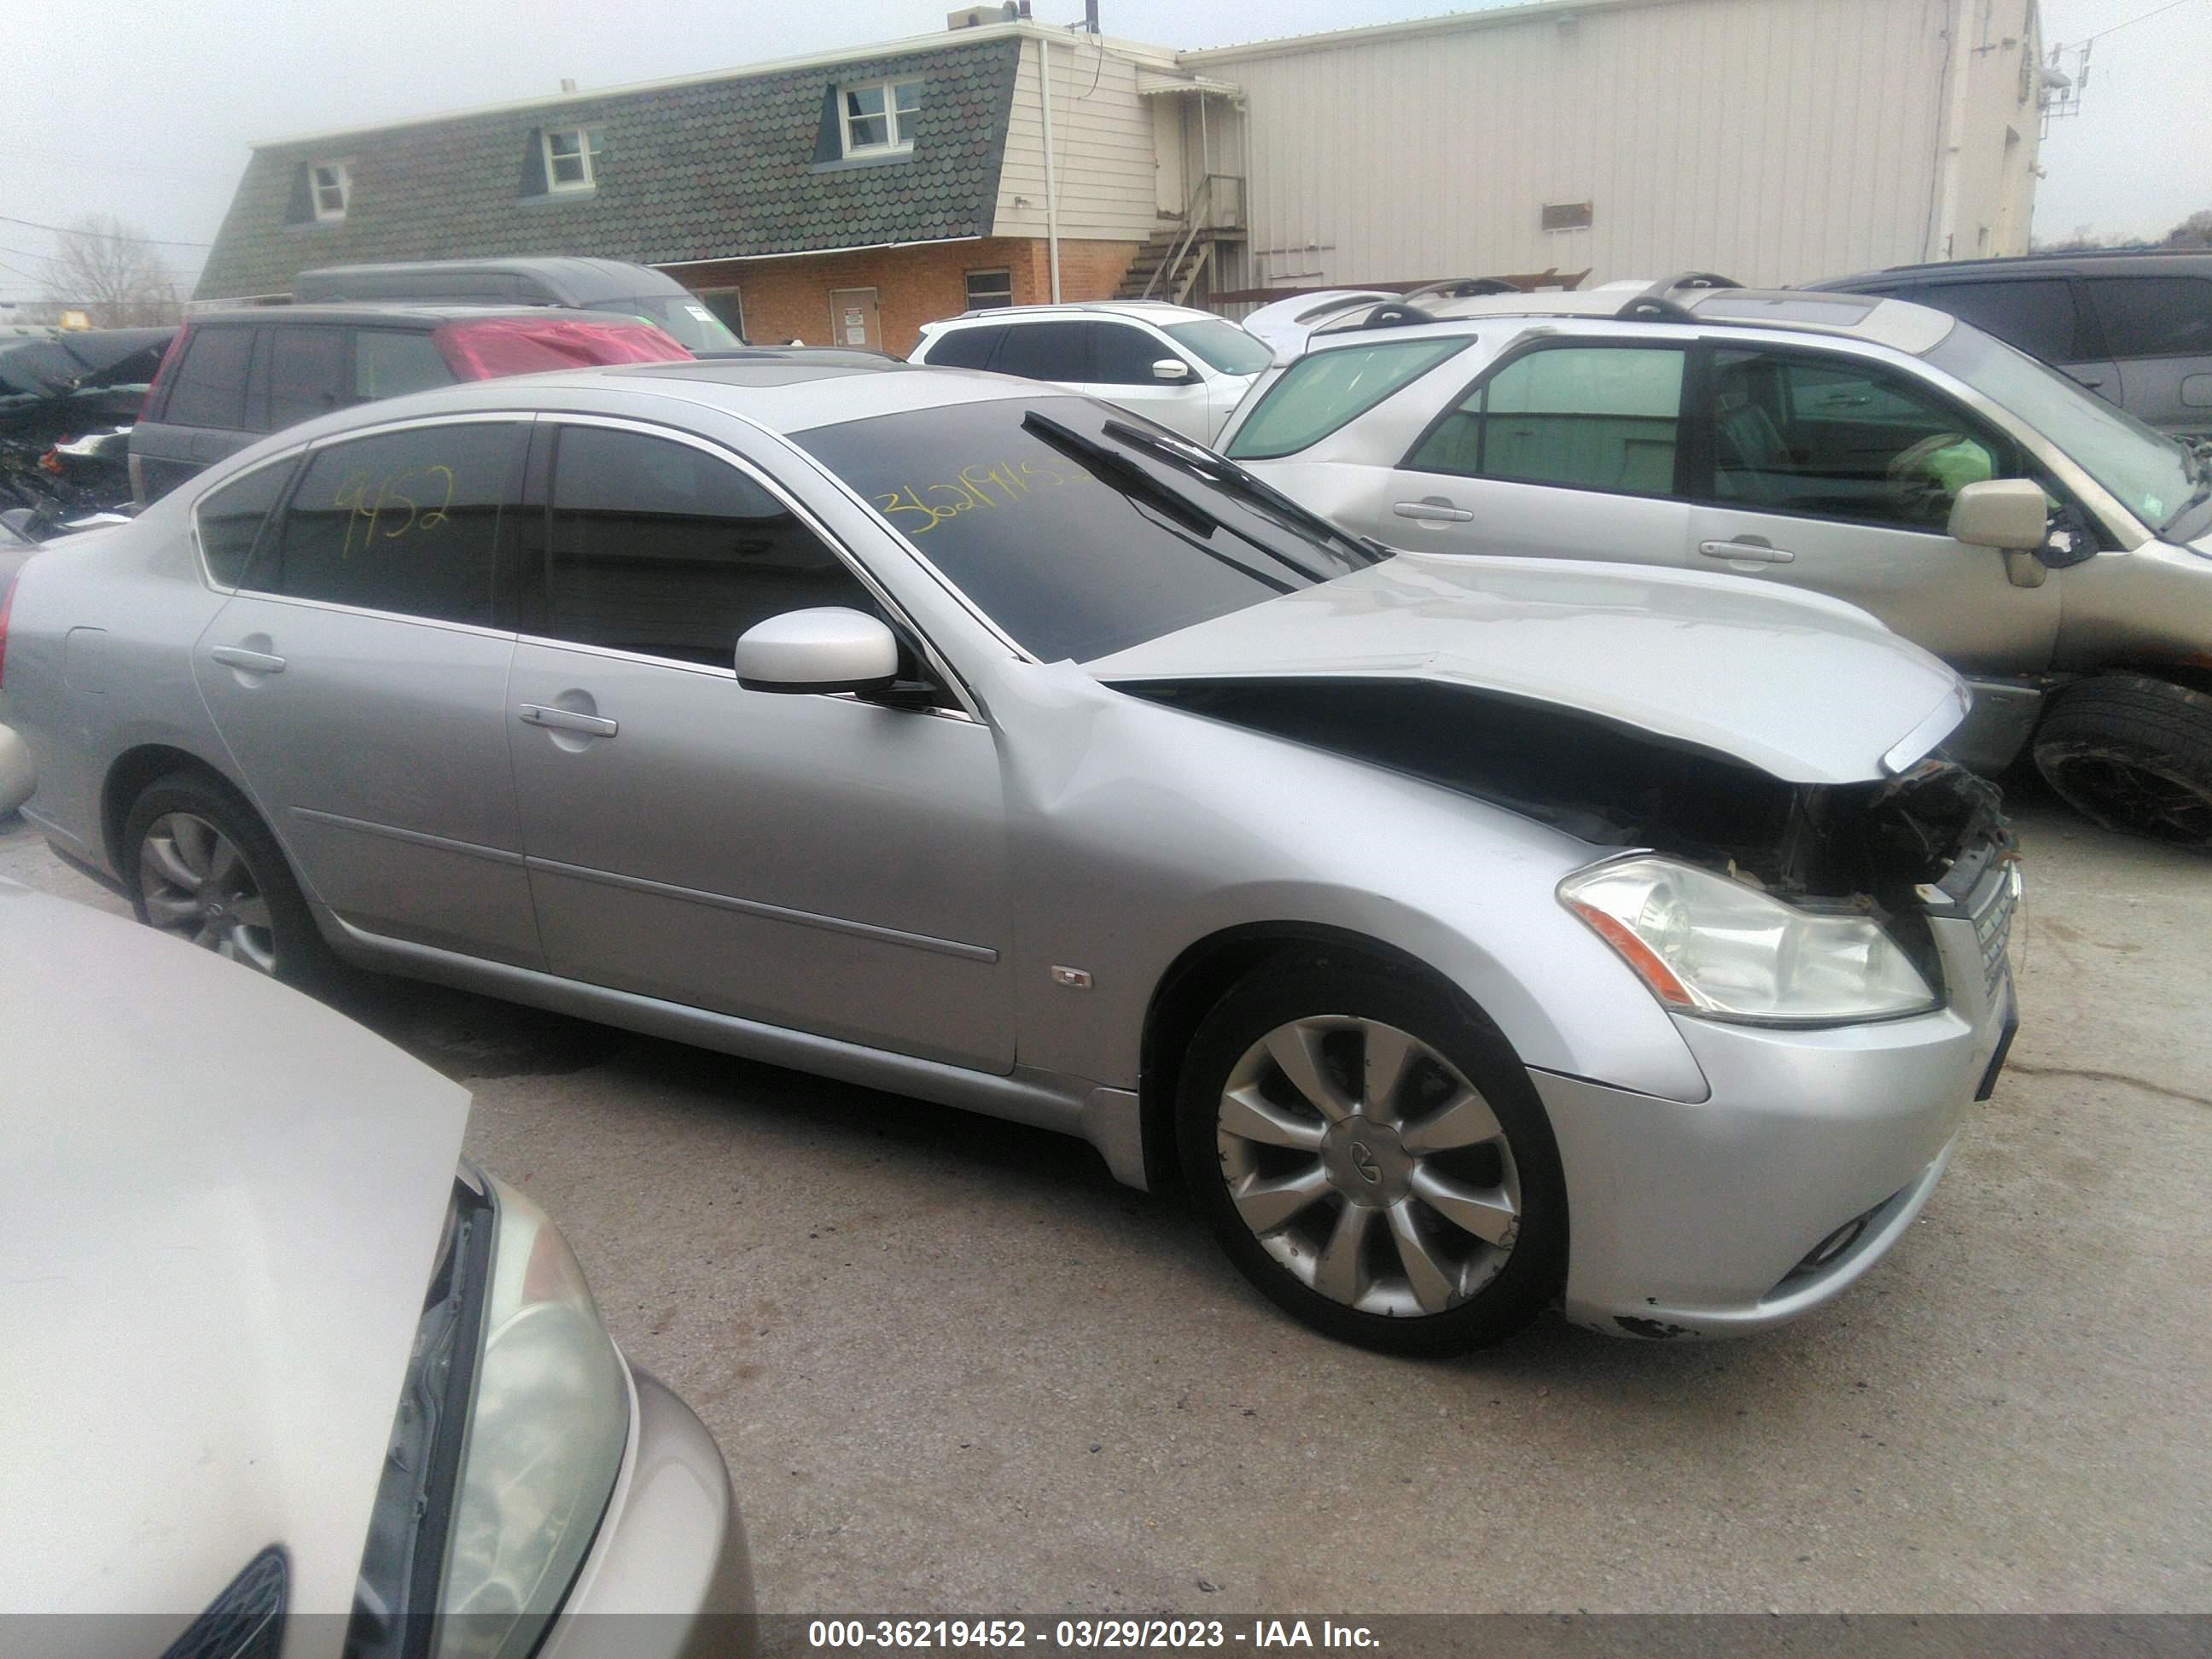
x=957 y=1369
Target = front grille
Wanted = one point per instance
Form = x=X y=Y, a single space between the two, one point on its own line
x=1992 y=914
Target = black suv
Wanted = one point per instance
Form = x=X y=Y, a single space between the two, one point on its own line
x=233 y=376
x=2135 y=327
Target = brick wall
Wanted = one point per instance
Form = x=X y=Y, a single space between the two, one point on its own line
x=789 y=299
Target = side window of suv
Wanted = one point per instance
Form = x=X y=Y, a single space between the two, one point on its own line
x=966 y=347
x=2037 y=315
x=660 y=548
x=1123 y=355
x=1589 y=417
x=1046 y=351
x=2154 y=316
x=406 y=521
x=210 y=388
x=390 y=363
x=307 y=374
x=1840 y=439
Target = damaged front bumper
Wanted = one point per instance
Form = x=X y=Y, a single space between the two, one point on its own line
x=1812 y=1154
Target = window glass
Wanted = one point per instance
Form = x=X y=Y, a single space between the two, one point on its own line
x=660 y=548
x=1122 y=356
x=1842 y=439
x=1075 y=561
x=1592 y=418
x=1223 y=346
x=987 y=288
x=2154 y=316
x=210 y=388
x=1046 y=351
x=1326 y=390
x=880 y=116
x=307 y=374
x=231 y=518
x=390 y=363
x=403 y=521
x=332 y=185
x=966 y=347
x=2036 y=316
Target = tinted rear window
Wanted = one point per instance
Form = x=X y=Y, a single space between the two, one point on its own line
x=307 y=374
x=389 y=362
x=1046 y=351
x=966 y=347
x=1325 y=390
x=402 y=521
x=230 y=518
x=210 y=386
x=2036 y=316
x=2154 y=316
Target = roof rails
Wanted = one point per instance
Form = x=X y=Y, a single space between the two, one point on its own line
x=1656 y=304
x=1397 y=313
x=1461 y=288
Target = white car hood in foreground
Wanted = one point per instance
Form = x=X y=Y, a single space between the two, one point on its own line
x=220 y=1202
x=1807 y=688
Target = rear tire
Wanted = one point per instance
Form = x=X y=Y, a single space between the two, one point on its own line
x=2134 y=754
x=1394 y=1183
x=202 y=867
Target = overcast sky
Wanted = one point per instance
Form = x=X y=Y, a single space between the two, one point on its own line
x=145 y=110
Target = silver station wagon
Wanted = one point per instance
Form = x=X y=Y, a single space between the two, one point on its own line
x=1466 y=935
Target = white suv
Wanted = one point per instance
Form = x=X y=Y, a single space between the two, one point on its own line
x=1186 y=369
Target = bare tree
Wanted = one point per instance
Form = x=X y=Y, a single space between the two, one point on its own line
x=2195 y=231
x=110 y=271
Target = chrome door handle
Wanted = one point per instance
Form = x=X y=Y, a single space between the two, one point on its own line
x=561 y=719
x=1758 y=550
x=253 y=662
x=1433 y=509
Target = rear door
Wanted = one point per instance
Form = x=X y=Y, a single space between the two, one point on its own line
x=1831 y=472
x=2160 y=328
x=816 y=862
x=1568 y=449
x=358 y=676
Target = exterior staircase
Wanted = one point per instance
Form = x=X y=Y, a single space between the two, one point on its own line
x=1175 y=257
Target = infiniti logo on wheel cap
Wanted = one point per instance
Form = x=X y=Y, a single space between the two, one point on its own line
x=1363 y=1161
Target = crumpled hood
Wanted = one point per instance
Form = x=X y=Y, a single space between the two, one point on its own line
x=1807 y=688
x=220 y=1202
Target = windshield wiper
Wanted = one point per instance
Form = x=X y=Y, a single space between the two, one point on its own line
x=1222 y=470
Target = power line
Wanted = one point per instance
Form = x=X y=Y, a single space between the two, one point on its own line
x=66 y=230
x=2144 y=18
x=63 y=158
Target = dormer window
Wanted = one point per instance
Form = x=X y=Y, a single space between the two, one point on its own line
x=879 y=115
x=332 y=183
x=570 y=153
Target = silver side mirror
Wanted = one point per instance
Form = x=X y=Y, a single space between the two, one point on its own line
x=2008 y=512
x=827 y=649
x=1171 y=368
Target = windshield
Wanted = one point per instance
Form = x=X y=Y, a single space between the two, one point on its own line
x=2150 y=474
x=1077 y=542
x=1227 y=349
x=687 y=318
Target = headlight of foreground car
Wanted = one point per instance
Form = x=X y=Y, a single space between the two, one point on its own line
x=504 y=1450
x=1708 y=946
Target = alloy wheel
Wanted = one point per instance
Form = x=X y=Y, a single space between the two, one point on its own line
x=197 y=884
x=1367 y=1166
x=2124 y=794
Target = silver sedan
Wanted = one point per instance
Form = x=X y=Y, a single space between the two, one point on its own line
x=1467 y=935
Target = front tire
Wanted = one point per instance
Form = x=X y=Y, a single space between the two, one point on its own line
x=204 y=868
x=1370 y=1153
x=2135 y=754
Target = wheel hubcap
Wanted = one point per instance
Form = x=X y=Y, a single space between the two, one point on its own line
x=198 y=886
x=1368 y=1166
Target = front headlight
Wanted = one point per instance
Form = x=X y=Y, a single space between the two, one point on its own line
x=1717 y=948
x=505 y=1450
x=545 y=1443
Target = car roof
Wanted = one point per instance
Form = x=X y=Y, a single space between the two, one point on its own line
x=2105 y=259
x=565 y=279
x=423 y=315
x=1150 y=311
x=1895 y=322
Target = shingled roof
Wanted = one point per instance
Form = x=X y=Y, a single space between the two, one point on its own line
x=712 y=168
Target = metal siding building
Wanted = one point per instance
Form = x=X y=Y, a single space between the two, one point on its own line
x=1776 y=141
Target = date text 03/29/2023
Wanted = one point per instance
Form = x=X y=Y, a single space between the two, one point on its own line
x=1088 y=1635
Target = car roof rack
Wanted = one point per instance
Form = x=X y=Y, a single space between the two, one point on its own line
x=1656 y=304
x=1397 y=313
x=1461 y=288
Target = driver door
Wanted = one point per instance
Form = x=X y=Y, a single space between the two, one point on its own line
x=1836 y=474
